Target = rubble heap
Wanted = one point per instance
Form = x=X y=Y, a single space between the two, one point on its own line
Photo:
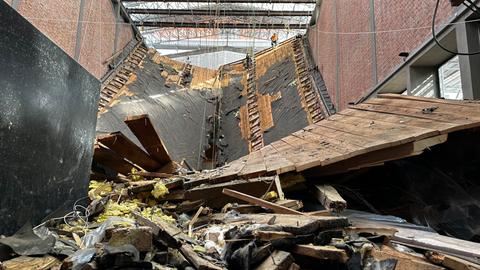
x=146 y=222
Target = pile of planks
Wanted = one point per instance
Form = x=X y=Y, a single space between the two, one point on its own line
x=179 y=222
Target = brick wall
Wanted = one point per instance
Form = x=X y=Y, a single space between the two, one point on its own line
x=58 y=19
x=401 y=25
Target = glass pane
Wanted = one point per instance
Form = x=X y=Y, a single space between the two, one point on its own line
x=426 y=88
x=450 y=81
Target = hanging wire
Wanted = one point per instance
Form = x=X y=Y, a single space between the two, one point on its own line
x=436 y=39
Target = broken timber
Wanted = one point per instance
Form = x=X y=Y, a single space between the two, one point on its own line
x=329 y=198
x=256 y=201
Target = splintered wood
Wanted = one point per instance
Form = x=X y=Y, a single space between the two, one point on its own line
x=329 y=198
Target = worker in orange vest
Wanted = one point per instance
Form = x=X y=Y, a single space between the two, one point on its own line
x=274 y=39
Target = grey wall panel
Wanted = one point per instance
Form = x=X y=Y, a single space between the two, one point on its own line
x=48 y=106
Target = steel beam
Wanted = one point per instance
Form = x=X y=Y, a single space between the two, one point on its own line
x=211 y=12
x=227 y=1
x=224 y=25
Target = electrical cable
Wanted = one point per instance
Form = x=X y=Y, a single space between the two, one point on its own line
x=473 y=7
x=470 y=7
x=434 y=35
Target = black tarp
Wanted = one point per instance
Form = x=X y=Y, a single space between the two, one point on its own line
x=231 y=101
x=287 y=112
x=48 y=106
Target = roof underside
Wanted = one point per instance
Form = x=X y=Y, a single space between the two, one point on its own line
x=179 y=26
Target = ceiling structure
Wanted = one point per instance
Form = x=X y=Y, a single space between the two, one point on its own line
x=205 y=27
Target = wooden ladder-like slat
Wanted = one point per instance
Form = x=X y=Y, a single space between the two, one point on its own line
x=111 y=88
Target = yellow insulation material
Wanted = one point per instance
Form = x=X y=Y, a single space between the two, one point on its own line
x=159 y=190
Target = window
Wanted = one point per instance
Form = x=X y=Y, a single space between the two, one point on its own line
x=449 y=80
x=425 y=88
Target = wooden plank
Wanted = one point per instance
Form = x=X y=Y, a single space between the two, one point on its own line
x=307 y=155
x=379 y=129
x=255 y=166
x=442 y=127
x=429 y=142
x=463 y=103
x=220 y=175
x=295 y=224
x=278 y=260
x=148 y=137
x=329 y=198
x=322 y=252
x=111 y=160
x=405 y=261
x=256 y=201
x=460 y=123
x=213 y=197
x=197 y=261
x=275 y=162
x=365 y=144
x=231 y=170
x=373 y=157
x=271 y=235
x=121 y=145
x=462 y=112
x=339 y=146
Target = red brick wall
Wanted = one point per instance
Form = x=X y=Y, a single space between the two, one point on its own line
x=58 y=19
x=323 y=44
x=401 y=25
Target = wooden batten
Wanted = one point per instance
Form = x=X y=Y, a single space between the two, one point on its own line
x=142 y=128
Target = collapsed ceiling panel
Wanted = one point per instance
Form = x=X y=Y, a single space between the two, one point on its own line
x=214 y=105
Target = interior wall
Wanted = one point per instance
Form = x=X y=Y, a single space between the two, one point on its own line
x=84 y=29
x=356 y=43
x=48 y=109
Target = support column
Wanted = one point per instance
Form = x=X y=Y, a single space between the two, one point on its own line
x=423 y=81
x=118 y=22
x=468 y=41
x=337 y=57
x=373 y=29
x=15 y=4
x=78 y=42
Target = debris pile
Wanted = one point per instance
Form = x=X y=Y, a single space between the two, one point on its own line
x=142 y=222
